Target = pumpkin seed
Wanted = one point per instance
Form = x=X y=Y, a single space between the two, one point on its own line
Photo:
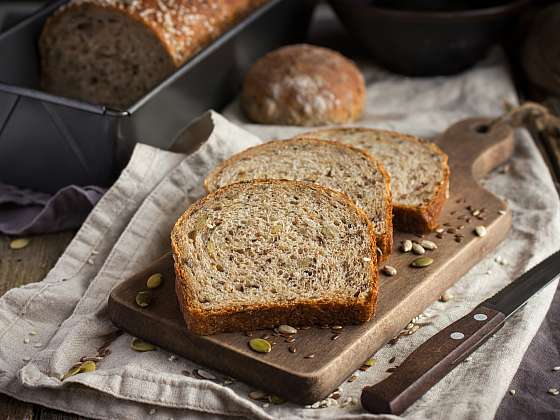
x=144 y=298
x=19 y=243
x=286 y=329
x=369 y=362
x=406 y=246
x=141 y=345
x=205 y=375
x=154 y=281
x=429 y=245
x=480 y=231
x=88 y=366
x=553 y=391
x=71 y=372
x=258 y=395
x=421 y=262
x=418 y=249
x=260 y=345
x=275 y=399
x=389 y=270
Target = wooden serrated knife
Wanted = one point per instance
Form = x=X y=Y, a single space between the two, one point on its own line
x=444 y=351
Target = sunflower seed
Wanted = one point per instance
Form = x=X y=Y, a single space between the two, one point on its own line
x=389 y=270
x=337 y=327
x=502 y=212
x=140 y=345
x=475 y=212
x=292 y=349
x=440 y=230
x=512 y=391
x=406 y=246
x=429 y=245
x=480 y=231
x=260 y=345
x=418 y=249
x=310 y=356
x=91 y=358
x=19 y=243
x=26 y=340
x=205 y=374
x=335 y=337
x=556 y=368
x=392 y=359
x=286 y=329
x=553 y=391
x=143 y=299
x=258 y=395
x=154 y=281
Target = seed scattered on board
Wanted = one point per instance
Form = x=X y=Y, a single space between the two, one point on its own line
x=512 y=391
x=553 y=391
x=260 y=345
x=19 y=243
x=389 y=270
x=418 y=249
x=429 y=245
x=154 y=281
x=421 y=262
x=141 y=346
x=287 y=329
x=556 y=368
x=480 y=231
x=144 y=298
x=406 y=246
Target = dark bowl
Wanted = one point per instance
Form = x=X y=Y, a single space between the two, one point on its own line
x=427 y=38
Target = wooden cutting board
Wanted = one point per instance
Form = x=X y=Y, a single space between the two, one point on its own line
x=473 y=152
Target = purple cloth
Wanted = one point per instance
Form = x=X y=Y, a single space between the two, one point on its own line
x=29 y=212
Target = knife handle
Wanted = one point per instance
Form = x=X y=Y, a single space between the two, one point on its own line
x=431 y=362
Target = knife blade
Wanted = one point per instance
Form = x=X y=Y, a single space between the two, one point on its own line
x=439 y=355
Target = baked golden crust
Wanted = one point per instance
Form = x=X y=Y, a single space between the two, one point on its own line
x=384 y=241
x=206 y=322
x=303 y=85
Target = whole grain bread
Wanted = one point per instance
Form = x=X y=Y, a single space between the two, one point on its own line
x=112 y=52
x=303 y=85
x=418 y=169
x=333 y=165
x=261 y=253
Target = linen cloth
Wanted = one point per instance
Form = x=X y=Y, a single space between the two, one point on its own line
x=130 y=227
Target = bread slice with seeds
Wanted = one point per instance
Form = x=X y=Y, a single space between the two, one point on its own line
x=332 y=165
x=418 y=169
x=262 y=253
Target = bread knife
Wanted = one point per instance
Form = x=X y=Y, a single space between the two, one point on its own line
x=444 y=351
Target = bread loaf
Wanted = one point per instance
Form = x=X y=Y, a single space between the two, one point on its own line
x=112 y=52
x=303 y=85
x=418 y=169
x=262 y=253
x=329 y=164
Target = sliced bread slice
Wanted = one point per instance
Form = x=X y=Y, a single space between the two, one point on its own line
x=262 y=253
x=329 y=164
x=418 y=169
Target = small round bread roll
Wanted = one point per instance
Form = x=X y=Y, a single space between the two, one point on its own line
x=303 y=85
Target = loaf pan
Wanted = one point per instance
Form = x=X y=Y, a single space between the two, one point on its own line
x=48 y=141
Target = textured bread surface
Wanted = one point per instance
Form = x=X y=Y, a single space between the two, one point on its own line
x=303 y=85
x=329 y=164
x=262 y=253
x=112 y=52
x=418 y=169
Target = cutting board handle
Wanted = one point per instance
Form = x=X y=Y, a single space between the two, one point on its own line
x=474 y=148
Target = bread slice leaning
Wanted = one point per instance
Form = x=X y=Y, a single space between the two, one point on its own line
x=418 y=169
x=262 y=253
x=329 y=164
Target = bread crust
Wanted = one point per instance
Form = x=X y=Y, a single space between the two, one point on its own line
x=384 y=241
x=183 y=27
x=303 y=85
x=414 y=219
x=207 y=322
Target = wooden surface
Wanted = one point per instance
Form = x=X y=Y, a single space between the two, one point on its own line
x=472 y=154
